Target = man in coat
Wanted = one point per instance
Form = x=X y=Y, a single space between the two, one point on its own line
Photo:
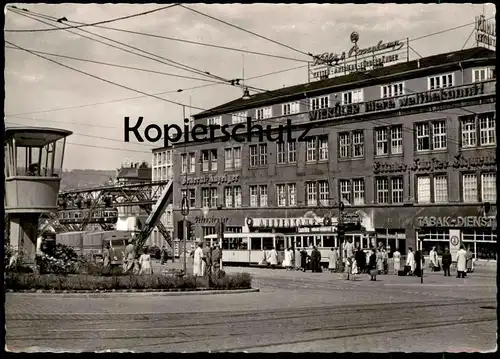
x=207 y=252
x=433 y=259
x=316 y=255
x=418 y=263
x=469 y=260
x=216 y=258
x=199 y=264
x=360 y=260
x=410 y=260
x=446 y=262
x=273 y=258
x=303 y=259
x=461 y=262
x=129 y=257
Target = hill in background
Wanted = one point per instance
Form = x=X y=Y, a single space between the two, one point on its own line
x=75 y=179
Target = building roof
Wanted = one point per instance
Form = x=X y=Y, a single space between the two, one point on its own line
x=269 y=97
x=35 y=136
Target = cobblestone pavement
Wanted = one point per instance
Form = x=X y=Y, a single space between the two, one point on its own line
x=294 y=311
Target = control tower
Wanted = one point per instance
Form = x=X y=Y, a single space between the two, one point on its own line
x=33 y=157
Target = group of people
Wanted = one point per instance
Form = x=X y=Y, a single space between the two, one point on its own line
x=206 y=260
x=131 y=264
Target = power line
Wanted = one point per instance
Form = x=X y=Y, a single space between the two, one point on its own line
x=95 y=146
x=177 y=39
x=93 y=24
x=248 y=31
x=137 y=97
x=198 y=72
x=105 y=80
x=119 y=66
x=446 y=30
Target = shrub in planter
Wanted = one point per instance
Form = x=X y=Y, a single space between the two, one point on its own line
x=19 y=281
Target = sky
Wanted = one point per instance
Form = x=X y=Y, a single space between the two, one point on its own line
x=41 y=93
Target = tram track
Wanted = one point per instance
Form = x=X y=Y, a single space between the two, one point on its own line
x=253 y=330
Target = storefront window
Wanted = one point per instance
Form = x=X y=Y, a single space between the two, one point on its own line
x=439 y=238
x=482 y=243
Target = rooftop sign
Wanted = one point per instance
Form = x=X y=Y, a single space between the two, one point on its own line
x=485 y=32
x=329 y=64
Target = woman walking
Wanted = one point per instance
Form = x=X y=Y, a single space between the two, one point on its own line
x=372 y=266
x=332 y=261
x=380 y=261
x=145 y=263
x=396 y=256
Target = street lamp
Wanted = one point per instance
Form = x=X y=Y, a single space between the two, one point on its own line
x=421 y=237
x=185 y=212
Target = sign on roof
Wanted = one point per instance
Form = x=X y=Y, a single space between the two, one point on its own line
x=486 y=32
x=329 y=64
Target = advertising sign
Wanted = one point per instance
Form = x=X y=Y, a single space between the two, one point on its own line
x=454 y=243
x=485 y=32
x=329 y=64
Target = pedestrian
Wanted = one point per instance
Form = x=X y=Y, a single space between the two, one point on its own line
x=385 y=259
x=303 y=259
x=163 y=255
x=396 y=256
x=287 y=262
x=273 y=258
x=297 y=258
x=359 y=256
x=145 y=263
x=461 y=262
x=372 y=265
x=349 y=249
x=216 y=259
x=380 y=262
x=410 y=261
x=207 y=253
x=129 y=257
x=354 y=269
x=199 y=264
x=418 y=263
x=106 y=265
x=469 y=257
x=318 y=260
x=446 y=261
x=433 y=259
x=332 y=260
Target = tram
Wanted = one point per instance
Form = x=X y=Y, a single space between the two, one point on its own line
x=98 y=216
x=245 y=249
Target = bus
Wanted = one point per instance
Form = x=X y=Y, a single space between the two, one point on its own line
x=244 y=249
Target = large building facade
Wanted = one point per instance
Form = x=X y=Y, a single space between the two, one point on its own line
x=409 y=148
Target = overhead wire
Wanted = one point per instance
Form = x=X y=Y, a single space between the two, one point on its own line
x=95 y=23
x=174 y=39
x=247 y=31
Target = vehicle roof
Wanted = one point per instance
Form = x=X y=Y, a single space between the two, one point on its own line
x=231 y=234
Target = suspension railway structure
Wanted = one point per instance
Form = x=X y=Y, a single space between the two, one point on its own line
x=105 y=205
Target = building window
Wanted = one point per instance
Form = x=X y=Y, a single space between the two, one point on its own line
x=480 y=126
x=263 y=154
x=312 y=194
x=213 y=160
x=469 y=187
x=209 y=197
x=424 y=189
x=323 y=148
x=237 y=157
x=205 y=163
x=239 y=117
x=345 y=190
x=432 y=189
x=311 y=149
x=440 y=189
x=392 y=90
x=292 y=194
x=431 y=135
x=192 y=162
x=281 y=195
x=358 y=144
x=290 y=108
x=319 y=102
x=441 y=81
x=190 y=194
x=280 y=153
x=344 y=144
x=352 y=191
x=215 y=121
x=254 y=196
x=355 y=96
x=263 y=196
x=292 y=152
x=382 y=144
x=263 y=113
x=489 y=187
x=232 y=197
x=324 y=193
x=253 y=156
x=228 y=159
x=397 y=189
x=397 y=139
x=483 y=74
x=184 y=163
x=382 y=190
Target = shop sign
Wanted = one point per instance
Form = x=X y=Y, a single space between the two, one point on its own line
x=466 y=221
x=209 y=179
x=286 y=222
x=319 y=229
x=330 y=64
x=486 y=33
x=434 y=164
x=210 y=220
x=423 y=98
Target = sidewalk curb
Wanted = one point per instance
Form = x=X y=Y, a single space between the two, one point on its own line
x=139 y=294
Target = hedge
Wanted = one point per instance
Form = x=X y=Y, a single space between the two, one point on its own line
x=79 y=282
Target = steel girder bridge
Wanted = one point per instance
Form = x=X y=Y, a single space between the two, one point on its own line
x=79 y=208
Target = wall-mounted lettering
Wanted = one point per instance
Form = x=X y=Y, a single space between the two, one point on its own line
x=448 y=221
x=210 y=179
x=210 y=220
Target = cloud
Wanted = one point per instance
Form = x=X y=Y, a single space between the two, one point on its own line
x=33 y=84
